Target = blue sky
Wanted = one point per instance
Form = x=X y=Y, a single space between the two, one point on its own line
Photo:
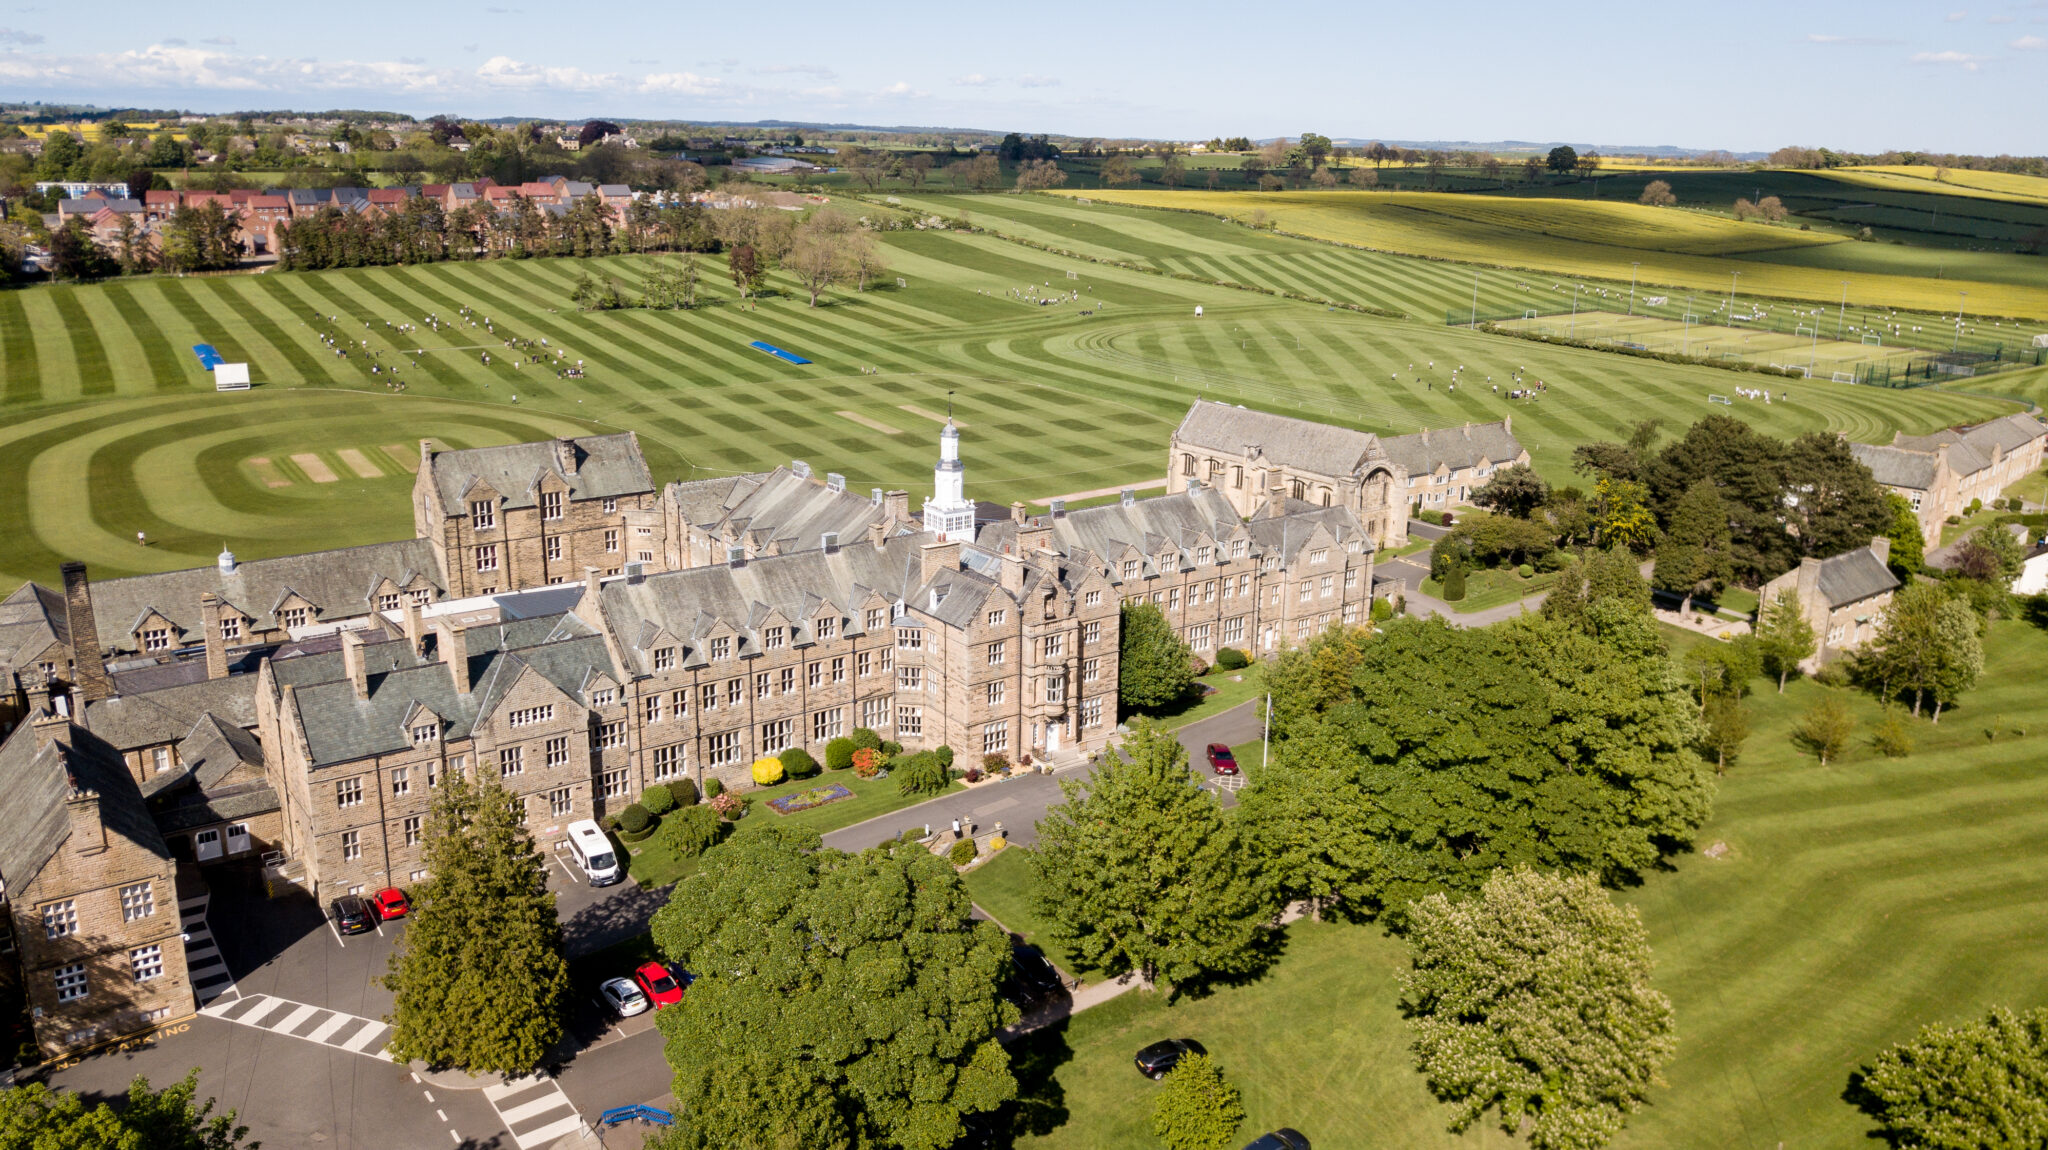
x=1743 y=75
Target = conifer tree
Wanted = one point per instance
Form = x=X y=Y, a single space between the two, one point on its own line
x=1153 y=665
x=1784 y=637
x=479 y=978
x=1695 y=555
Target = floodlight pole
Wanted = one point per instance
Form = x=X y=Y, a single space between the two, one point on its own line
x=1475 y=301
x=1961 y=298
x=1573 y=326
x=1843 y=311
x=1731 y=295
x=1632 y=269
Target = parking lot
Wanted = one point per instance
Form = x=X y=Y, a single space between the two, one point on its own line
x=296 y=1043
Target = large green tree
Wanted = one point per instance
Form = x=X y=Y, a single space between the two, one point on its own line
x=1982 y=1085
x=1154 y=667
x=1694 y=557
x=1139 y=870
x=479 y=978
x=1449 y=752
x=840 y=1000
x=1515 y=490
x=34 y=1117
x=1908 y=546
x=1784 y=638
x=1927 y=645
x=1197 y=1108
x=1533 y=999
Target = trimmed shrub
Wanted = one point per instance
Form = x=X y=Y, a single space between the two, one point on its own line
x=1526 y=571
x=945 y=754
x=891 y=748
x=1232 y=659
x=1196 y=665
x=685 y=792
x=864 y=738
x=658 y=799
x=713 y=787
x=963 y=852
x=635 y=823
x=728 y=805
x=797 y=763
x=920 y=774
x=839 y=754
x=691 y=831
x=767 y=771
x=1454 y=584
x=1382 y=610
x=997 y=762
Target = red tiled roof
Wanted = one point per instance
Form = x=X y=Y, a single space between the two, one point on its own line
x=536 y=188
x=270 y=202
x=157 y=197
x=434 y=191
x=387 y=195
x=497 y=193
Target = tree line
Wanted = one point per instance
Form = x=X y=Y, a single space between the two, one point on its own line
x=824 y=248
x=423 y=231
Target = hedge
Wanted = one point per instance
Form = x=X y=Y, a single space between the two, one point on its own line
x=839 y=754
x=658 y=799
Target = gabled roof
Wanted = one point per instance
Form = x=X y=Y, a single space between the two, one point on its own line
x=1896 y=466
x=128 y=722
x=33 y=822
x=1854 y=576
x=31 y=619
x=338 y=582
x=1316 y=447
x=1455 y=448
x=780 y=506
x=610 y=466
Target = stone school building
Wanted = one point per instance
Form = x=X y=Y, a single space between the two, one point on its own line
x=564 y=625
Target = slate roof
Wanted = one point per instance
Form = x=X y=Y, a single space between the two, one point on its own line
x=1970 y=449
x=209 y=755
x=128 y=722
x=1301 y=443
x=338 y=582
x=779 y=507
x=1100 y=537
x=1455 y=448
x=1896 y=466
x=1854 y=576
x=341 y=728
x=611 y=466
x=31 y=619
x=33 y=822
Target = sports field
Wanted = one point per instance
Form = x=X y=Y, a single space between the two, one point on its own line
x=1675 y=248
x=112 y=427
x=1845 y=907
x=1827 y=358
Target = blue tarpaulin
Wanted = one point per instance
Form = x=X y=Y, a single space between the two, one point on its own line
x=777 y=352
x=208 y=357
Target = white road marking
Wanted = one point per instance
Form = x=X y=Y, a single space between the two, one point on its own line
x=441 y=1114
x=550 y=1132
x=361 y=1032
x=325 y=1030
x=262 y=1008
x=355 y=1045
x=295 y=1019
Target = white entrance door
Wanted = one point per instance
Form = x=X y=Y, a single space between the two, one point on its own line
x=206 y=845
x=238 y=838
x=1052 y=739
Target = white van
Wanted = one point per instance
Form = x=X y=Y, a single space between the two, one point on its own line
x=593 y=852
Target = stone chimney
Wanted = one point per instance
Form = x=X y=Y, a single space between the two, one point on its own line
x=89 y=669
x=1017 y=512
x=352 y=663
x=454 y=652
x=592 y=588
x=1881 y=546
x=82 y=810
x=897 y=505
x=1033 y=538
x=43 y=718
x=426 y=453
x=565 y=455
x=216 y=645
x=1807 y=583
x=878 y=534
x=1013 y=575
x=939 y=557
x=1507 y=424
x=1276 y=498
x=415 y=627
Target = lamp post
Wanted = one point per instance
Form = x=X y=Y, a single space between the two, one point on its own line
x=1843 y=310
x=1961 y=298
x=1571 y=327
x=1475 y=301
x=1731 y=296
x=1633 y=268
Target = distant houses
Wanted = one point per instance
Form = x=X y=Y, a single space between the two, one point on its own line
x=1943 y=473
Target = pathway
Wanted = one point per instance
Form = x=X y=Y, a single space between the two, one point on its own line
x=1076 y=497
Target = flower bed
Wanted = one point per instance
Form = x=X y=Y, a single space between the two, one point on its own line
x=806 y=800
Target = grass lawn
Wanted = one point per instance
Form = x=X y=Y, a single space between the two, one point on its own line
x=1231 y=689
x=1002 y=887
x=654 y=866
x=108 y=425
x=1853 y=904
x=1493 y=587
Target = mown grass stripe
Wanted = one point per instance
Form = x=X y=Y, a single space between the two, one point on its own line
x=95 y=376
x=166 y=361
x=20 y=381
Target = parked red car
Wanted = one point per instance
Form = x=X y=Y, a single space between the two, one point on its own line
x=1221 y=760
x=658 y=984
x=390 y=903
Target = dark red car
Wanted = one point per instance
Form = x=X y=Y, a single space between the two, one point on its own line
x=660 y=987
x=1221 y=760
x=390 y=903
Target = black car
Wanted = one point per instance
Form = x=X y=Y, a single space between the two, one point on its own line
x=1155 y=1060
x=1033 y=978
x=352 y=915
x=1281 y=1139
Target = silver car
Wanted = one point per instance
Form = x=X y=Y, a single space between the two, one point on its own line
x=623 y=997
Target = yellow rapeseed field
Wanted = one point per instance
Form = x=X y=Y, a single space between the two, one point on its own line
x=2004 y=186
x=1593 y=239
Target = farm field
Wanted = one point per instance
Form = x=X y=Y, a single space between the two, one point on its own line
x=112 y=427
x=1676 y=249
x=1853 y=904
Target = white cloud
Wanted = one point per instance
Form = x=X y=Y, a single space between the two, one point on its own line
x=973 y=80
x=900 y=88
x=1957 y=17
x=1968 y=62
x=2031 y=44
x=505 y=72
x=17 y=36
x=680 y=84
x=1851 y=41
x=1030 y=81
x=797 y=69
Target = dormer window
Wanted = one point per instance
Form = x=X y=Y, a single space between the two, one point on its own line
x=483 y=515
x=602 y=697
x=550 y=505
x=292 y=617
x=771 y=638
x=388 y=602
x=1202 y=555
x=875 y=618
x=825 y=627
x=664 y=658
x=995 y=618
x=230 y=628
x=1237 y=547
x=426 y=734
x=1130 y=569
x=938 y=597
x=721 y=647
x=1319 y=555
x=156 y=639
